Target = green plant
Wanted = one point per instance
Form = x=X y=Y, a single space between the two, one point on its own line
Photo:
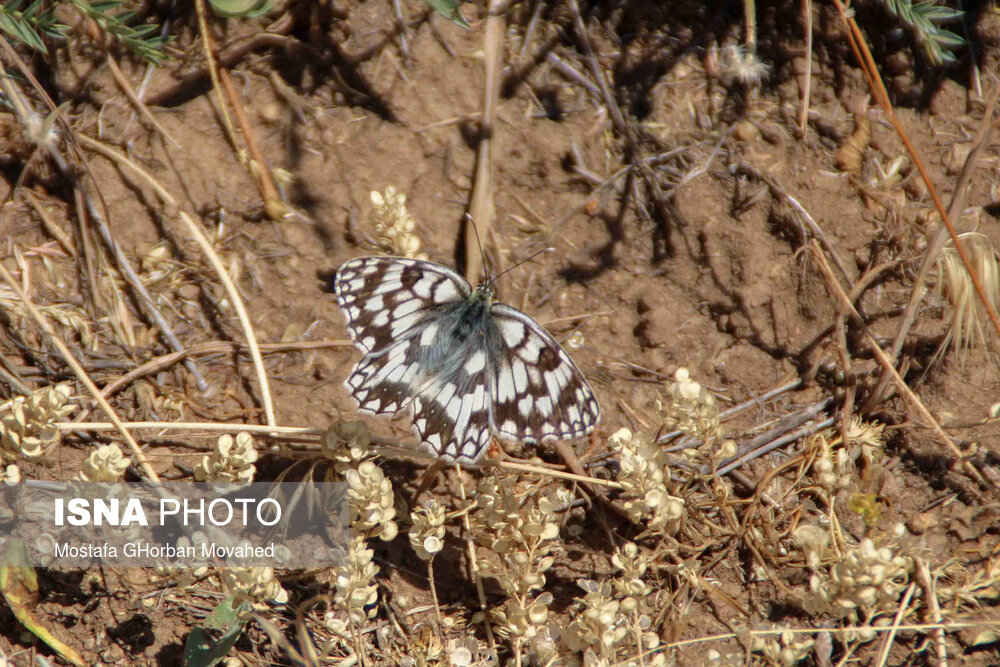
x=31 y=25
x=140 y=39
x=924 y=18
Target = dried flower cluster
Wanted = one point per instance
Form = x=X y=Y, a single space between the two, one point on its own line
x=520 y=528
x=232 y=460
x=599 y=626
x=356 y=587
x=865 y=440
x=863 y=581
x=372 y=513
x=347 y=444
x=427 y=532
x=613 y=610
x=959 y=586
x=643 y=473
x=105 y=464
x=715 y=659
x=10 y=476
x=26 y=423
x=784 y=650
x=834 y=467
x=372 y=504
x=830 y=467
x=690 y=408
x=394 y=224
x=256 y=583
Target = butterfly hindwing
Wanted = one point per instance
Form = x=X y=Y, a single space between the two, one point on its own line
x=381 y=383
x=451 y=417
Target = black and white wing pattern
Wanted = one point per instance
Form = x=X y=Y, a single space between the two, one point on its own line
x=463 y=366
x=538 y=392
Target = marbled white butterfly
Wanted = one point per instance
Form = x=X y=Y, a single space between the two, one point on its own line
x=464 y=365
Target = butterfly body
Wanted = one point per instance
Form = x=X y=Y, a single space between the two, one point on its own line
x=464 y=365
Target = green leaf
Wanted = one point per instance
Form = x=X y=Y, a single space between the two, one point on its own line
x=948 y=39
x=21 y=31
x=200 y=650
x=940 y=14
x=241 y=8
x=450 y=9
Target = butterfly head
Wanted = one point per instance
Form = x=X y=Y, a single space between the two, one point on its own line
x=485 y=292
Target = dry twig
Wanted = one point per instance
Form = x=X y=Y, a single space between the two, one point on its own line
x=878 y=90
x=88 y=210
x=481 y=204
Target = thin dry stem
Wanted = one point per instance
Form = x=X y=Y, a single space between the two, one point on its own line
x=904 y=604
x=929 y=586
x=878 y=90
x=167 y=360
x=807 y=19
x=886 y=363
x=779 y=192
x=434 y=593
x=134 y=99
x=272 y=201
x=87 y=210
x=387 y=446
x=50 y=225
x=938 y=240
x=474 y=564
x=213 y=70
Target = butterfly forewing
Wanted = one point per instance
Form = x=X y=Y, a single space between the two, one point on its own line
x=538 y=392
x=387 y=299
x=464 y=366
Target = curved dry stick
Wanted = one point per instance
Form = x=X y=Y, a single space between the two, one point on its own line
x=807 y=18
x=143 y=110
x=273 y=204
x=384 y=446
x=904 y=604
x=221 y=82
x=165 y=361
x=206 y=247
x=80 y=373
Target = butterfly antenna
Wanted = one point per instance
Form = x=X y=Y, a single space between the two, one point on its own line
x=526 y=259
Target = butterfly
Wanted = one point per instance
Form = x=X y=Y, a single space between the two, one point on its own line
x=464 y=365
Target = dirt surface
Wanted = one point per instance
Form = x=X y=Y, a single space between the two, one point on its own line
x=719 y=278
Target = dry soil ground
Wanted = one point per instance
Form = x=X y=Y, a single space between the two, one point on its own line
x=718 y=277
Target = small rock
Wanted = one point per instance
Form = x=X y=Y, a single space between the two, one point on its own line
x=921 y=523
x=270 y=113
x=188 y=292
x=746 y=131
